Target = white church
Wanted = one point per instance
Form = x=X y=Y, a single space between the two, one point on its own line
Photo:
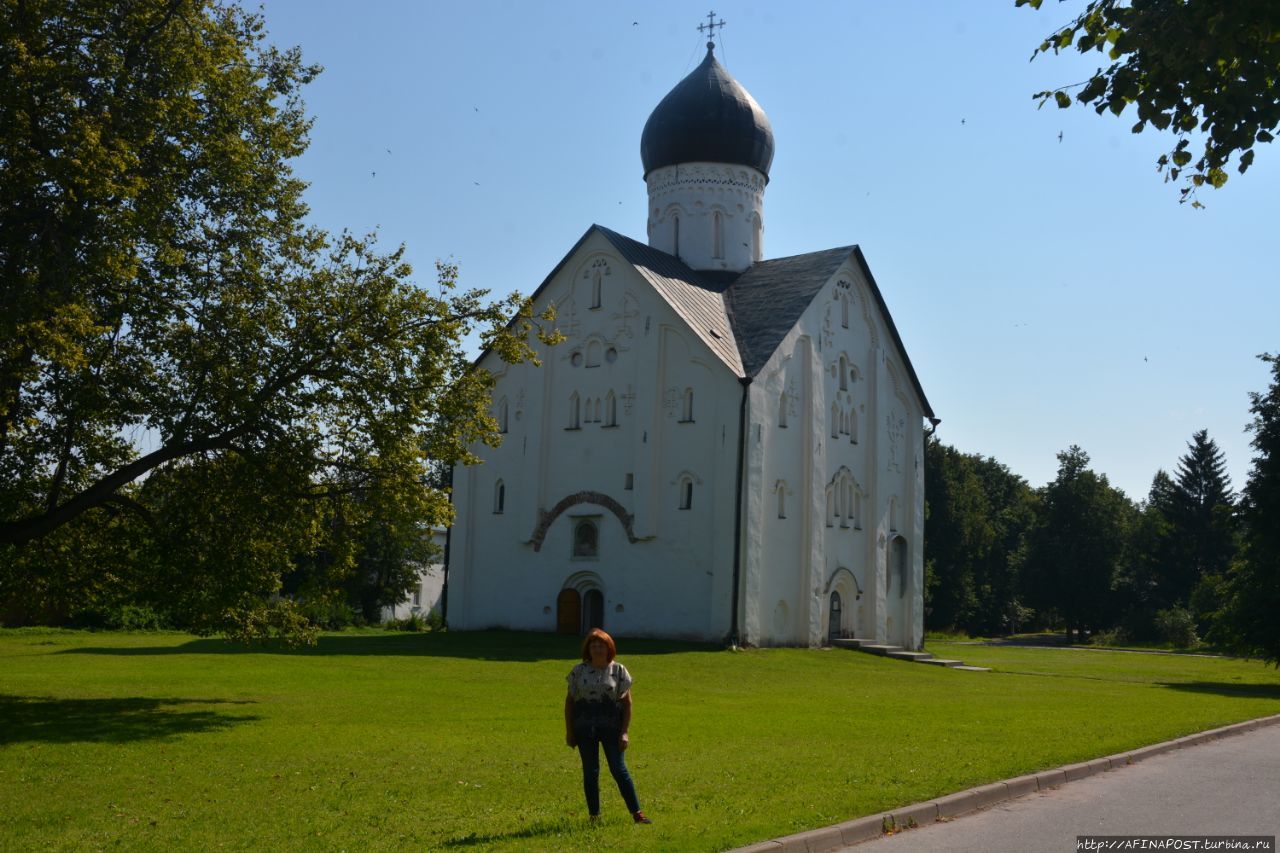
x=725 y=447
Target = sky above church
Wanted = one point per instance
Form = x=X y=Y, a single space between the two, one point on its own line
x=1046 y=282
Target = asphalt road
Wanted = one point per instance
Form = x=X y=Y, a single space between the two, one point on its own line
x=1229 y=786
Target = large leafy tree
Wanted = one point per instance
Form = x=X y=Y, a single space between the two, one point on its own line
x=978 y=514
x=1254 y=585
x=176 y=344
x=1205 y=71
x=1075 y=552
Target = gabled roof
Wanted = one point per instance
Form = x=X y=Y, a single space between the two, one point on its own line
x=742 y=318
x=696 y=297
x=770 y=296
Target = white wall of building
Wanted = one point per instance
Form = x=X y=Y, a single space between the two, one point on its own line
x=849 y=452
x=670 y=573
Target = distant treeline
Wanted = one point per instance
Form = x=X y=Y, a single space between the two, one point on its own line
x=1193 y=561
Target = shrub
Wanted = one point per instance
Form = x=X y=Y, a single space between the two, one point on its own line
x=328 y=615
x=1110 y=637
x=1177 y=626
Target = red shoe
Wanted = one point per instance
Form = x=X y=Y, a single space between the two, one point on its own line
x=639 y=817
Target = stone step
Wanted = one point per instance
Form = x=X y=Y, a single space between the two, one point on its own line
x=851 y=643
x=919 y=657
x=858 y=644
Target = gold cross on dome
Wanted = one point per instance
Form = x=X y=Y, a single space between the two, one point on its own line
x=710 y=26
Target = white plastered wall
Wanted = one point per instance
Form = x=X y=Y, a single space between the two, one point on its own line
x=670 y=573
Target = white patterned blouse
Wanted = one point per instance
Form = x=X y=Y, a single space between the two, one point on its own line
x=589 y=684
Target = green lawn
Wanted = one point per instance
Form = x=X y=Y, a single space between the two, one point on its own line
x=165 y=741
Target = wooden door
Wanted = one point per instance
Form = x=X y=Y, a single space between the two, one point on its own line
x=568 y=612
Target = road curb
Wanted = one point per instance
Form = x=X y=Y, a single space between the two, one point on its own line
x=953 y=805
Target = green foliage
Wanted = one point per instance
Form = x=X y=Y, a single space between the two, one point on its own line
x=1176 y=626
x=1204 y=71
x=415 y=622
x=197 y=388
x=978 y=514
x=1248 y=621
x=1075 y=552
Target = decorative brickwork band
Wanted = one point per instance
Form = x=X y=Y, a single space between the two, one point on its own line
x=545 y=519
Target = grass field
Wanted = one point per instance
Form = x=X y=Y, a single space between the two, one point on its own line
x=165 y=741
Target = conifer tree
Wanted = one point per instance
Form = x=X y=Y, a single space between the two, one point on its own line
x=1251 y=618
x=1201 y=512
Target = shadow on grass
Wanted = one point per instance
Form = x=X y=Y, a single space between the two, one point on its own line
x=472 y=645
x=1224 y=688
x=25 y=719
x=536 y=830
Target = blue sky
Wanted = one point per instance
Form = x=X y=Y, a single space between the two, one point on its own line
x=1050 y=292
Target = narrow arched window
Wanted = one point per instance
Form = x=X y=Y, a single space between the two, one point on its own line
x=835 y=421
x=757 y=239
x=596 y=286
x=857 y=509
x=686 y=493
x=844 y=374
x=853 y=424
x=502 y=415
x=593 y=353
x=848 y=503
x=782 y=499
x=831 y=507
x=610 y=410
x=782 y=410
x=717 y=235
x=597 y=410
x=675 y=234
x=686 y=415
x=844 y=310
x=575 y=408
x=586 y=538
x=499 y=497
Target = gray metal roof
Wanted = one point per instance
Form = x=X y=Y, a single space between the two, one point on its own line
x=742 y=318
x=698 y=299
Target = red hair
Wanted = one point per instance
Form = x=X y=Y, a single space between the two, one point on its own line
x=597 y=634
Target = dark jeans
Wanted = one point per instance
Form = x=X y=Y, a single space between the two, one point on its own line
x=588 y=748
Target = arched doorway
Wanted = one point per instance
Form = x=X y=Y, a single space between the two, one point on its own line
x=833 y=617
x=592 y=610
x=568 y=611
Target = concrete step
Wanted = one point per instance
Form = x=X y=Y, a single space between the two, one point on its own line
x=880 y=648
x=851 y=643
x=899 y=653
x=919 y=657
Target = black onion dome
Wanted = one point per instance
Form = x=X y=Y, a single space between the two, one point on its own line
x=708 y=117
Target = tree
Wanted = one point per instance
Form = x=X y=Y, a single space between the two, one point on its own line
x=957 y=530
x=1075 y=552
x=1142 y=587
x=1201 y=515
x=1189 y=67
x=175 y=342
x=977 y=516
x=1249 y=617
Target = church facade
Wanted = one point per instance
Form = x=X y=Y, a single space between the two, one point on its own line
x=724 y=448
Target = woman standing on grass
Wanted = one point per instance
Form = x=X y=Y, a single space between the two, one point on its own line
x=597 y=712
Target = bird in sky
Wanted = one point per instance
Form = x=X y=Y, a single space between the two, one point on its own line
x=1059 y=136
